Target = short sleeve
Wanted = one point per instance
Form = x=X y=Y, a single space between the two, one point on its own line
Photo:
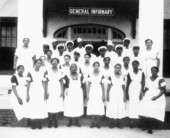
x=29 y=77
x=17 y=53
x=162 y=83
x=157 y=55
x=14 y=81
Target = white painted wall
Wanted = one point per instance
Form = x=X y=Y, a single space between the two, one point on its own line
x=151 y=24
x=30 y=22
x=8 y=8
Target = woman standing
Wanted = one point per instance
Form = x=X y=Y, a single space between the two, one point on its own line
x=37 y=106
x=55 y=93
x=106 y=70
x=86 y=68
x=20 y=95
x=134 y=89
x=73 y=102
x=153 y=103
x=151 y=57
x=95 y=96
x=116 y=98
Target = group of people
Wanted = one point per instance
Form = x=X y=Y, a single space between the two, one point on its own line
x=121 y=82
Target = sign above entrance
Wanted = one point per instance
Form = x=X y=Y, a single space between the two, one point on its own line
x=91 y=11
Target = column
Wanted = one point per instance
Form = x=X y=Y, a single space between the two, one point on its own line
x=151 y=24
x=109 y=34
x=30 y=22
x=69 y=33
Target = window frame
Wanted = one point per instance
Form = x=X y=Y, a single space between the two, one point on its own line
x=8 y=22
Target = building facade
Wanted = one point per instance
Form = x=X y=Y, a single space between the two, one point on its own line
x=45 y=20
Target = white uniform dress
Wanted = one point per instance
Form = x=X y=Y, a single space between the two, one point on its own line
x=106 y=81
x=112 y=56
x=65 y=69
x=134 y=92
x=20 y=83
x=150 y=60
x=100 y=60
x=55 y=52
x=60 y=57
x=116 y=106
x=153 y=109
x=54 y=102
x=95 y=105
x=37 y=105
x=25 y=58
x=73 y=102
x=86 y=70
x=125 y=71
x=119 y=59
x=93 y=58
x=127 y=52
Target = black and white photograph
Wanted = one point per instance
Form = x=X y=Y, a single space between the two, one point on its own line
x=84 y=68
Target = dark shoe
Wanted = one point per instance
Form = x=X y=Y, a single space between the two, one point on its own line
x=98 y=125
x=150 y=131
x=119 y=125
x=111 y=126
x=69 y=124
x=33 y=125
x=77 y=124
x=28 y=123
x=39 y=125
x=55 y=124
x=92 y=125
x=50 y=124
x=132 y=125
x=142 y=126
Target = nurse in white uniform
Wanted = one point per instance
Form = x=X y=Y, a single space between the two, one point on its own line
x=55 y=93
x=19 y=96
x=153 y=103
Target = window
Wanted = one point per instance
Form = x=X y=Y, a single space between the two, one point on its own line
x=84 y=30
x=79 y=30
x=8 y=44
x=89 y=32
x=94 y=30
x=62 y=33
x=117 y=34
x=8 y=35
x=166 y=49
